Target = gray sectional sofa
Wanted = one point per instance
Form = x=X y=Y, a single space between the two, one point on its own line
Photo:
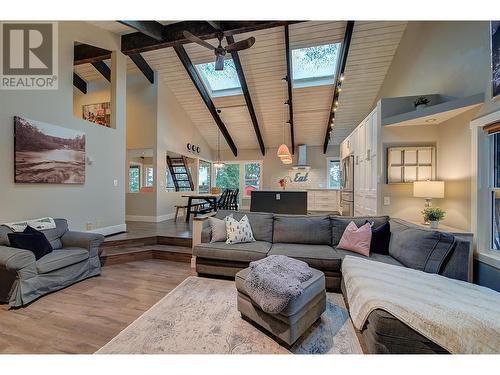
x=23 y=278
x=314 y=239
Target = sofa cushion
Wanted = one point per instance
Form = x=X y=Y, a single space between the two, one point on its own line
x=4 y=235
x=420 y=249
x=373 y=256
x=32 y=240
x=322 y=257
x=61 y=258
x=218 y=229
x=240 y=252
x=313 y=230
x=357 y=239
x=54 y=235
x=339 y=223
x=261 y=223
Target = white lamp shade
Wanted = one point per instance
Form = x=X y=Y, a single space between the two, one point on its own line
x=283 y=151
x=287 y=160
x=428 y=189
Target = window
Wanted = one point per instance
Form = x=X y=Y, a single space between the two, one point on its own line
x=134 y=178
x=252 y=178
x=333 y=174
x=495 y=192
x=148 y=177
x=204 y=177
x=220 y=83
x=182 y=180
x=314 y=66
x=228 y=177
x=244 y=175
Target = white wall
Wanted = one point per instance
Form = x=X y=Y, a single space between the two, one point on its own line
x=98 y=200
x=274 y=169
x=175 y=129
x=450 y=58
x=141 y=135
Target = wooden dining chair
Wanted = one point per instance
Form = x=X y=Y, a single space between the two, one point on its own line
x=222 y=201
x=233 y=200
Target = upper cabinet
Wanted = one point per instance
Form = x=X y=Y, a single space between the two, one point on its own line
x=363 y=145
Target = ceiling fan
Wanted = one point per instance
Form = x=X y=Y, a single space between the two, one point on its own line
x=220 y=51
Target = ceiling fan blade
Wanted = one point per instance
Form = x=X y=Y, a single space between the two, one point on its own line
x=242 y=44
x=219 y=62
x=195 y=39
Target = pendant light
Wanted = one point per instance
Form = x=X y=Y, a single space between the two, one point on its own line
x=218 y=164
x=283 y=151
x=287 y=160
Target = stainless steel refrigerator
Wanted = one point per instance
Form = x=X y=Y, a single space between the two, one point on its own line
x=347 y=186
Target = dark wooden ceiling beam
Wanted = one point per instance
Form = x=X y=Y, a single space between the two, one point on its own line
x=85 y=53
x=339 y=76
x=143 y=67
x=215 y=24
x=103 y=68
x=79 y=83
x=205 y=96
x=289 y=85
x=173 y=33
x=246 y=94
x=153 y=29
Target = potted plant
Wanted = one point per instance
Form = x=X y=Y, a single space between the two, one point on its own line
x=421 y=102
x=283 y=181
x=433 y=215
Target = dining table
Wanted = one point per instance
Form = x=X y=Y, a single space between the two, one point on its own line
x=192 y=208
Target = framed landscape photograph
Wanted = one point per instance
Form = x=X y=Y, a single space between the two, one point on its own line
x=99 y=113
x=495 y=58
x=47 y=154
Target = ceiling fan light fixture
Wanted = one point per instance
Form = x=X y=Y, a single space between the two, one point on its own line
x=287 y=160
x=219 y=165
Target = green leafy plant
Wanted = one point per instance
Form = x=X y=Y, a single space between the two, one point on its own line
x=421 y=100
x=433 y=214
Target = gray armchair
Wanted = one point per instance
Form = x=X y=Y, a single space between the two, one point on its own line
x=23 y=278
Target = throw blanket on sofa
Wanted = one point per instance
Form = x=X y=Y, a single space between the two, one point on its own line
x=276 y=280
x=42 y=223
x=458 y=316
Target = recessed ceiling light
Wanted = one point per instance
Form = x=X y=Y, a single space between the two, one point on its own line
x=429 y=120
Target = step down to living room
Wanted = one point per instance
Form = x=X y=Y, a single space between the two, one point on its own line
x=167 y=248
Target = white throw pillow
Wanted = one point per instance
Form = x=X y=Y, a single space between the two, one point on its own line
x=238 y=231
x=218 y=227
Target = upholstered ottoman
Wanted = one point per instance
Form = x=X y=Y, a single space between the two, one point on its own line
x=287 y=326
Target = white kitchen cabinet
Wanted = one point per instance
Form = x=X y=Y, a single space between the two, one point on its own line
x=365 y=150
x=323 y=200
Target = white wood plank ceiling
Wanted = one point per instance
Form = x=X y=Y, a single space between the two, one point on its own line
x=372 y=49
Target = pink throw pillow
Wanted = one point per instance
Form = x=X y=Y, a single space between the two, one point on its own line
x=357 y=239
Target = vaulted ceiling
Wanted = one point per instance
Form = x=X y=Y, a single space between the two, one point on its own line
x=371 y=51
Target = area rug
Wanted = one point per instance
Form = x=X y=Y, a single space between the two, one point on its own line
x=200 y=317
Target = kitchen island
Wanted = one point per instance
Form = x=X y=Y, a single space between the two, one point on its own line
x=292 y=202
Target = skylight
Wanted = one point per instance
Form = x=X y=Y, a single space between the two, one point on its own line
x=314 y=66
x=220 y=83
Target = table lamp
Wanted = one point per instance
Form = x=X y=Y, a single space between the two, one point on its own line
x=428 y=190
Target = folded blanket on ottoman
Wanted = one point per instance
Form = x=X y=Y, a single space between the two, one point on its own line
x=276 y=280
x=458 y=316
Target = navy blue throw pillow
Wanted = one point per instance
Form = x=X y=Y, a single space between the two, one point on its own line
x=381 y=236
x=32 y=240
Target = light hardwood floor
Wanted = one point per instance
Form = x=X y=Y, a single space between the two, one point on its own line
x=86 y=315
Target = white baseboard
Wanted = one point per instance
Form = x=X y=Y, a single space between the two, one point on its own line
x=151 y=219
x=106 y=231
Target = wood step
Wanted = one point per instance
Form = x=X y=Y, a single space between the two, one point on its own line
x=132 y=254
x=147 y=241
